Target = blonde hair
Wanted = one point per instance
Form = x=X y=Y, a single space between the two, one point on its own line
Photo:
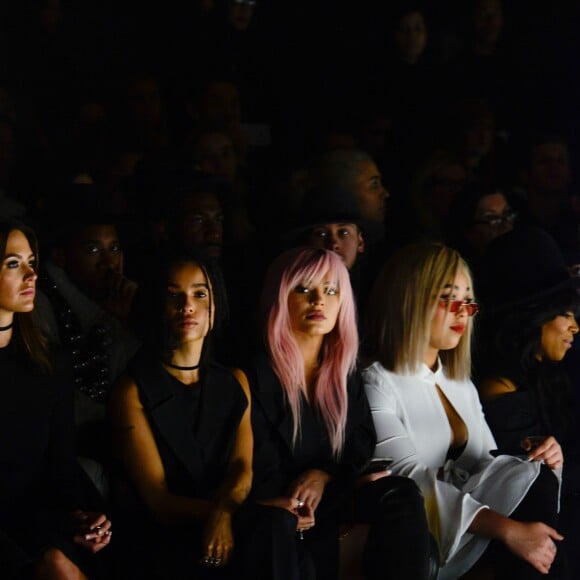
x=402 y=306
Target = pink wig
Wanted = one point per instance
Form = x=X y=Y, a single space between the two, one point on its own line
x=306 y=266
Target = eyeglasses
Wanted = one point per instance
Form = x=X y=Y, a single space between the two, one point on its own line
x=496 y=221
x=471 y=308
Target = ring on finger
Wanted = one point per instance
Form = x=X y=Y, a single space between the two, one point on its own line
x=300 y=502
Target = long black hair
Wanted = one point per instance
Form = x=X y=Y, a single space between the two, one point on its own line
x=160 y=335
x=510 y=348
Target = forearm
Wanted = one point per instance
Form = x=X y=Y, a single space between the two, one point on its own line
x=234 y=491
x=169 y=509
x=490 y=524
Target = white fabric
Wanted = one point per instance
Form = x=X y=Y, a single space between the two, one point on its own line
x=413 y=428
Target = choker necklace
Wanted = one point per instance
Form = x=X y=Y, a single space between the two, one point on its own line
x=179 y=368
x=7 y=327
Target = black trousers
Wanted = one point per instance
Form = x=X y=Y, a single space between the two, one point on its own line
x=539 y=505
x=399 y=546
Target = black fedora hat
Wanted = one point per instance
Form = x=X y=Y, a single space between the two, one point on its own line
x=521 y=267
x=330 y=204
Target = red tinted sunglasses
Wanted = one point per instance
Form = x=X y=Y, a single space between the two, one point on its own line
x=471 y=308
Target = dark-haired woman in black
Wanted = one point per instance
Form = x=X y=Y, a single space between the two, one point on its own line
x=183 y=438
x=43 y=534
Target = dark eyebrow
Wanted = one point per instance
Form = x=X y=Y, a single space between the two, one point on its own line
x=19 y=256
x=199 y=285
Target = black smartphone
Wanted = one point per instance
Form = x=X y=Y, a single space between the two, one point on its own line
x=377 y=464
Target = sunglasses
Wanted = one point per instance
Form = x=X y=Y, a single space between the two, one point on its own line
x=496 y=221
x=471 y=308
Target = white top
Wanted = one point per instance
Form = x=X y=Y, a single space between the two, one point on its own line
x=413 y=428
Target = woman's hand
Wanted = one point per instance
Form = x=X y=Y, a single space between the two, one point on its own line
x=544 y=448
x=309 y=487
x=533 y=542
x=304 y=513
x=218 y=538
x=93 y=531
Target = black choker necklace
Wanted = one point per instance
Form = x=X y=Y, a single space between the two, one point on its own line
x=7 y=327
x=177 y=367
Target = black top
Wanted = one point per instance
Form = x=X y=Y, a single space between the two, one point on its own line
x=277 y=462
x=37 y=454
x=194 y=426
x=513 y=417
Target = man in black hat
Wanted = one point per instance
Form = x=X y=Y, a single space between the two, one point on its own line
x=329 y=218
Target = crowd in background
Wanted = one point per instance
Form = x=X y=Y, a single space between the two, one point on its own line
x=237 y=129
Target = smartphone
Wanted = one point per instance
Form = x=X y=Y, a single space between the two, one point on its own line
x=377 y=464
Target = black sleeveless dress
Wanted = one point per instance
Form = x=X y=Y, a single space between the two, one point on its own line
x=194 y=429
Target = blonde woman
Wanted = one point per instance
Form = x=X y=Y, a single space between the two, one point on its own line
x=428 y=417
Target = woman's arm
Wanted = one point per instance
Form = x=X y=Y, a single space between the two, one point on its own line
x=135 y=446
x=218 y=537
x=531 y=541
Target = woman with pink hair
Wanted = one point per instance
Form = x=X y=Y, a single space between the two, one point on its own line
x=313 y=433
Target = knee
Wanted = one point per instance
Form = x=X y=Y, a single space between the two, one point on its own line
x=395 y=490
x=54 y=564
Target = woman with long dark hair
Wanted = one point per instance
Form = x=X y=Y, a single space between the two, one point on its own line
x=43 y=534
x=528 y=328
x=182 y=435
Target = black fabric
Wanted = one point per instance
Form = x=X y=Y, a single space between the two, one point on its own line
x=399 y=542
x=277 y=462
x=513 y=417
x=194 y=454
x=194 y=433
x=539 y=505
x=40 y=481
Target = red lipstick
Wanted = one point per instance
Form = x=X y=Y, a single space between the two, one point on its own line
x=459 y=328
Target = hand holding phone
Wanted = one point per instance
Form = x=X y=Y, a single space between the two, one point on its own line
x=377 y=464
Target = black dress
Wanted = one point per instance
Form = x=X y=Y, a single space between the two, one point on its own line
x=40 y=481
x=194 y=430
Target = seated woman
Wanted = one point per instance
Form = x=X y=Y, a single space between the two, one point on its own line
x=43 y=534
x=428 y=418
x=528 y=328
x=313 y=431
x=182 y=435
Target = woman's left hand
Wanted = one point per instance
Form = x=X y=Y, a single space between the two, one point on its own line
x=94 y=530
x=309 y=487
x=218 y=538
x=548 y=450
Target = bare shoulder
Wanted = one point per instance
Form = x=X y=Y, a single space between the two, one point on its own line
x=242 y=379
x=490 y=389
